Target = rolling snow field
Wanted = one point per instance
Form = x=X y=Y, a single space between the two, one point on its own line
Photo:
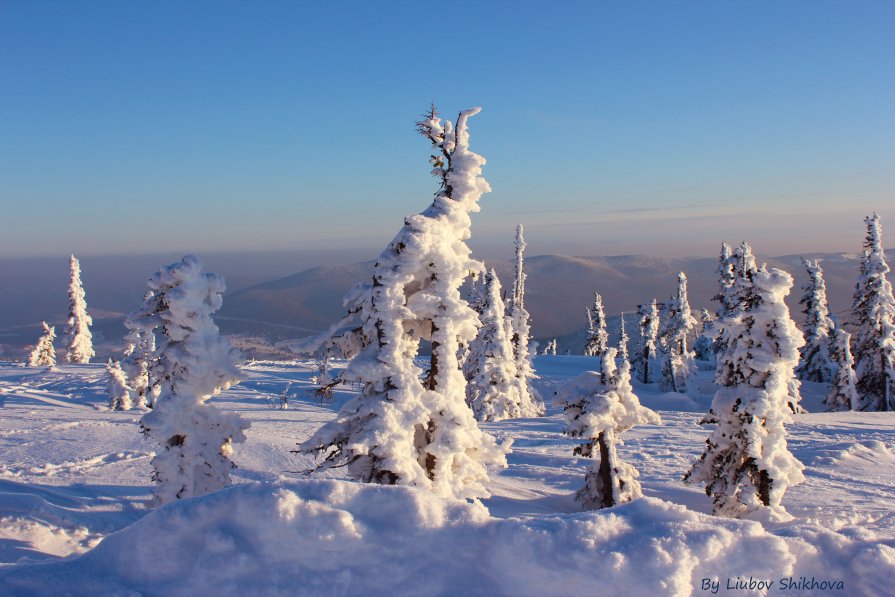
x=75 y=482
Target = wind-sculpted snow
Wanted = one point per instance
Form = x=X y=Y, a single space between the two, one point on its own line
x=343 y=538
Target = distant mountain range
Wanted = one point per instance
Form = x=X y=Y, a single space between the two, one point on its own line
x=558 y=289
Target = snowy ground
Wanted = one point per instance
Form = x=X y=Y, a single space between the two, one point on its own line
x=73 y=474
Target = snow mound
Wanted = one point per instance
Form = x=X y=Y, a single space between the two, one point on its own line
x=335 y=537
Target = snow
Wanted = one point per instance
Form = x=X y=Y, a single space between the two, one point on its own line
x=74 y=488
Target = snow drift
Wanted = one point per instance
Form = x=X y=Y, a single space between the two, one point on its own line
x=341 y=538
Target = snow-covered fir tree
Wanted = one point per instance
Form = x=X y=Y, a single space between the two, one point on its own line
x=116 y=384
x=873 y=312
x=704 y=347
x=649 y=339
x=325 y=380
x=550 y=348
x=815 y=364
x=843 y=391
x=44 y=355
x=138 y=358
x=746 y=465
x=597 y=408
x=678 y=364
x=78 y=341
x=491 y=391
x=622 y=338
x=597 y=337
x=193 y=364
x=726 y=297
x=404 y=428
x=520 y=328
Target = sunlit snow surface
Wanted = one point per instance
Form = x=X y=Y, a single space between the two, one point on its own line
x=73 y=473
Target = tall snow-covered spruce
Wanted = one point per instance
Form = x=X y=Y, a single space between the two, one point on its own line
x=520 y=328
x=704 y=347
x=44 y=355
x=843 y=391
x=405 y=428
x=138 y=358
x=193 y=363
x=873 y=312
x=678 y=364
x=746 y=466
x=597 y=408
x=78 y=341
x=597 y=336
x=815 y=362
x=649 y=338
x=491 y=390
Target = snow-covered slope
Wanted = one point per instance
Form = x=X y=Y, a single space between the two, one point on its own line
x=74 y=479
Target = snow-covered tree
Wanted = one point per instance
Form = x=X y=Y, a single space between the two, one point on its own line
x=597 y=408
x=597 y=337
x=78 y=341
x=678 y=364
x=193 y=364
x=520 y=329
x=138 y=358
x=116 y=384
x=726 y=297
x=44 y=355
x=324 y=379
x=746 y=465
x=492 y=392
x=404 y=428
x=704 y=347
x=649 y=338
x=550 y=348
x=815 y=362
x=873 y=311
x=843 y=392
x=622 y=338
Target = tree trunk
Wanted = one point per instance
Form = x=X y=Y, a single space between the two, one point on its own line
x=605 y=472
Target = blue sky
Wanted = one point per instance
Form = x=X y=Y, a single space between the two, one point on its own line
x=609 y=127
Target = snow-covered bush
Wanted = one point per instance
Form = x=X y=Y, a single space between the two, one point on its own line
x=403 y=428
x=677 y=365
x=193 y=364
x=116 y=384
x=597 y=408
x=843 y=392
x=44 y=355
x=78 y=341
x=645 y=356
x=520 y=330
x=815 y=364
x=597 y=337
x=873 y=312
x=550 y=348
x=491 y=391
x=746 y=465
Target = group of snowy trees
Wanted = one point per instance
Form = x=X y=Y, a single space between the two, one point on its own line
x=77 y=341
x=860 y=367
x=417 y=426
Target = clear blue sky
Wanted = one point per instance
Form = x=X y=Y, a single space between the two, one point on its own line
x=609 y=127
